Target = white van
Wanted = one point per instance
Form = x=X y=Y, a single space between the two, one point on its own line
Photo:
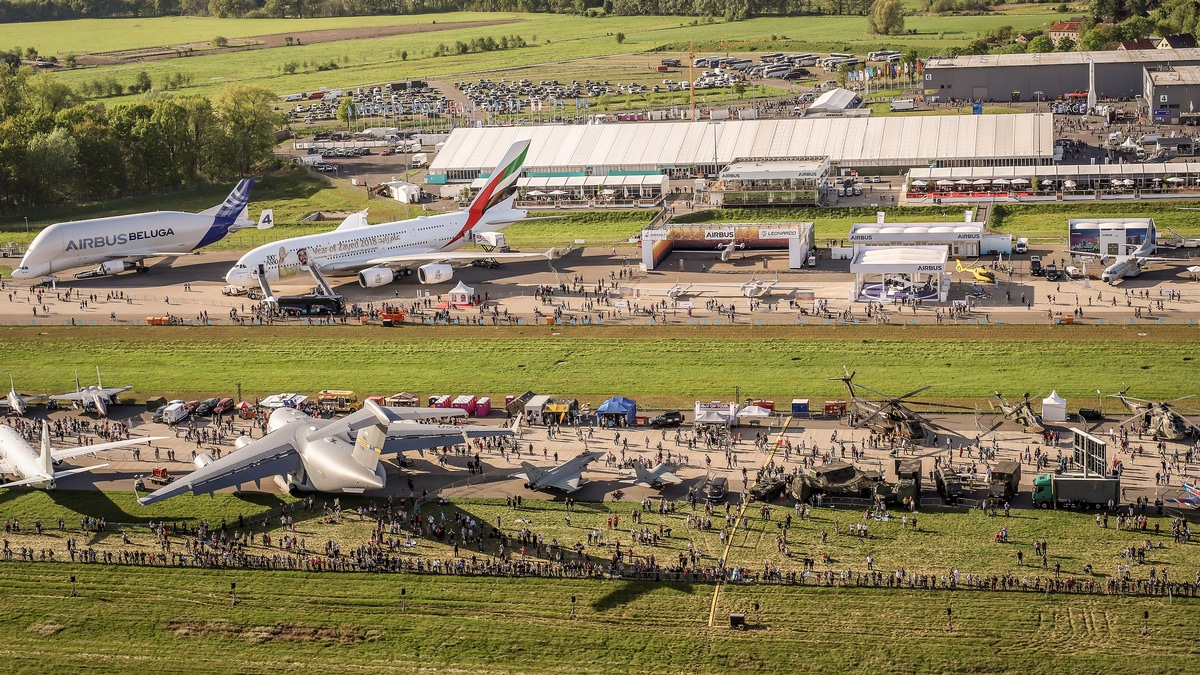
x=1022 y=245
x=175 y=412
x=293 y=97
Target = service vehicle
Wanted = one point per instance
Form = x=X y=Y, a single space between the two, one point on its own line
x=1075 y=491
x=341 y=401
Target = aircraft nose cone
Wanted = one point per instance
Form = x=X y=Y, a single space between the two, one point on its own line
x=237 y=276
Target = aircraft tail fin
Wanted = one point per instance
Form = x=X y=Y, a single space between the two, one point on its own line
x=78 y=386
x=99 y=382
x=46 y=458
x=368 y=445
x=503 y=177
x=532 y=473
x=231 y=209
x=958 y=265
x=641 y=474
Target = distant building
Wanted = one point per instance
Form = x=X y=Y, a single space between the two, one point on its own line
x=1060 y=30
x=1026 y=38
x=1140 y=43
x=1178 y=41
x=1172 y=94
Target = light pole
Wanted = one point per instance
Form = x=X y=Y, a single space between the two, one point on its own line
x=26 y=223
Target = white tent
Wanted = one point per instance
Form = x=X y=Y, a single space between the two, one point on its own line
x=461 y=294
x=1054 y=408
x=754 y=411
x=711 y=417
x=405 y=193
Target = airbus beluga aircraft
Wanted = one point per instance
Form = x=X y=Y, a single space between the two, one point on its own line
x=121 y=243
x=377 y=254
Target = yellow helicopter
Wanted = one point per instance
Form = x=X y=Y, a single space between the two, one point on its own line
x=980 y=273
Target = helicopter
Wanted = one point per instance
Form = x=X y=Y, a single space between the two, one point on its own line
x=1158 y=418
x=1022 y=413
x=889 y=416
x=980 y=273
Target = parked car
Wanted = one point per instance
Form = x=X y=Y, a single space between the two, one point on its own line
x=205 y=407
x=665 y=420
x=1035 y=266
x=224 y=406
x=715 y=489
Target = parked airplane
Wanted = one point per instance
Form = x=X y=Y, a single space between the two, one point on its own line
x=35 y=469
x=99 y=396
x=567 y=476
x=1130 y=264
x=726 y=250
x=16 y=403
x=377 y=253
x=658 y=477
x=316 y=455
x=121 y=243
x=980 y=273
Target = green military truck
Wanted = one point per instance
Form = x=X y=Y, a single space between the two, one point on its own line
x=908 y=475
x=949 y=483
x=1006 y=480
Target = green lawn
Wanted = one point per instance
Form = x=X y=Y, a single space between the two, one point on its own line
x=336 y=622
x=558 y=38
x=671 y=366
x=1049 y=222
x=828 y=223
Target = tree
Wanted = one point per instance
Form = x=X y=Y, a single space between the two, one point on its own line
x=1040 y=45
x=620 y=38
x=52 y=158
x=1066 y=45
x=142 y=82
x=886 y=18
x=245 y=127
x=343 y=112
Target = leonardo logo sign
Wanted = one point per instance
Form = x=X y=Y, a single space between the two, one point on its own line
x=718 y=234
x=784 y=233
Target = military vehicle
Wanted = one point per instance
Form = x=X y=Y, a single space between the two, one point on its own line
x=1006 y=480
x=908 y=473
x=768 y=486
x=890 y=416
x=949 y=484
x=839 y=479
x=1161 y=419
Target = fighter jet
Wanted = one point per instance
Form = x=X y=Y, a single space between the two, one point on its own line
x=98 y=396
x=315 y=455
x=567 y=476
x=35 y=469
x=658 y=477
x=16 y=403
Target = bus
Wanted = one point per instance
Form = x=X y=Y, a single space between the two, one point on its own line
x=312 y=305
x=883 y=55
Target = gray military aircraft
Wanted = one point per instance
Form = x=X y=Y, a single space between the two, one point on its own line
x=567 y=476
x=98 y=396
x=315 y=455
x=16 y=403
x=1022 y=413
x=34 y=469
x=658 y=477
x=1161 y=419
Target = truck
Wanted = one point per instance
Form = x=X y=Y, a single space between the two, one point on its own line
x=1006 y=480
x=908 y=475
x=1075 y=491
x=339 y=400
x=949 y=484
x=1022 y=245
x=903 y=105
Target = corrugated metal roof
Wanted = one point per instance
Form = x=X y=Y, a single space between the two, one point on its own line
x=899 y=141
x=1063 y=58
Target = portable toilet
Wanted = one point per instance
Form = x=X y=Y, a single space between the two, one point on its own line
x=465 y=402
x=483 y=407
x=800 y=407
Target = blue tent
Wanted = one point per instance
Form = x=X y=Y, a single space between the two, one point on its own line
x=619 y=405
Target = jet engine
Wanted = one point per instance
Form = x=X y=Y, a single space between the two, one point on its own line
x=111 y=267
x=434 y=273
x=242 y=441
x=373 y=277
x=202 y=460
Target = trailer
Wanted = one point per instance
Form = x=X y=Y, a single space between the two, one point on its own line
x=1076 y=491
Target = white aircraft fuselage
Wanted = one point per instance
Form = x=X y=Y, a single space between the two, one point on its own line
x=343 y=252
x=24 y=461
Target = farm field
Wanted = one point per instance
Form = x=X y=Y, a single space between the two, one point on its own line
x=557 y=39
x=673 y=366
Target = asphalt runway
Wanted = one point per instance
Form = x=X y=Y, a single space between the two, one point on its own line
x=452 y=479
x=1016 y=299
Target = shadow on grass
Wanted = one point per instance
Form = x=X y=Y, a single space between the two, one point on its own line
x=625 y=592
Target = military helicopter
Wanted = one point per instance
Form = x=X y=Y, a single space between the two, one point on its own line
x=1159 y=418
x=1022 y=413
x=889 y=416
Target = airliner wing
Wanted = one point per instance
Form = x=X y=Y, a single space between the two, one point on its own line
x=271 y=455
x=461 y=257
x=60 y=455
x=139 y=255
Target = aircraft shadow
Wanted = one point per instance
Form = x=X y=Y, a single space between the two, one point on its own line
x=625 y=592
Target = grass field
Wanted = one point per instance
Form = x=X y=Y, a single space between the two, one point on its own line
x=164 y=619
x=558 y=38
x=671 y=366
x=1050 y=221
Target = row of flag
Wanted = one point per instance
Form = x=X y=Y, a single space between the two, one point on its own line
x=886 y=70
